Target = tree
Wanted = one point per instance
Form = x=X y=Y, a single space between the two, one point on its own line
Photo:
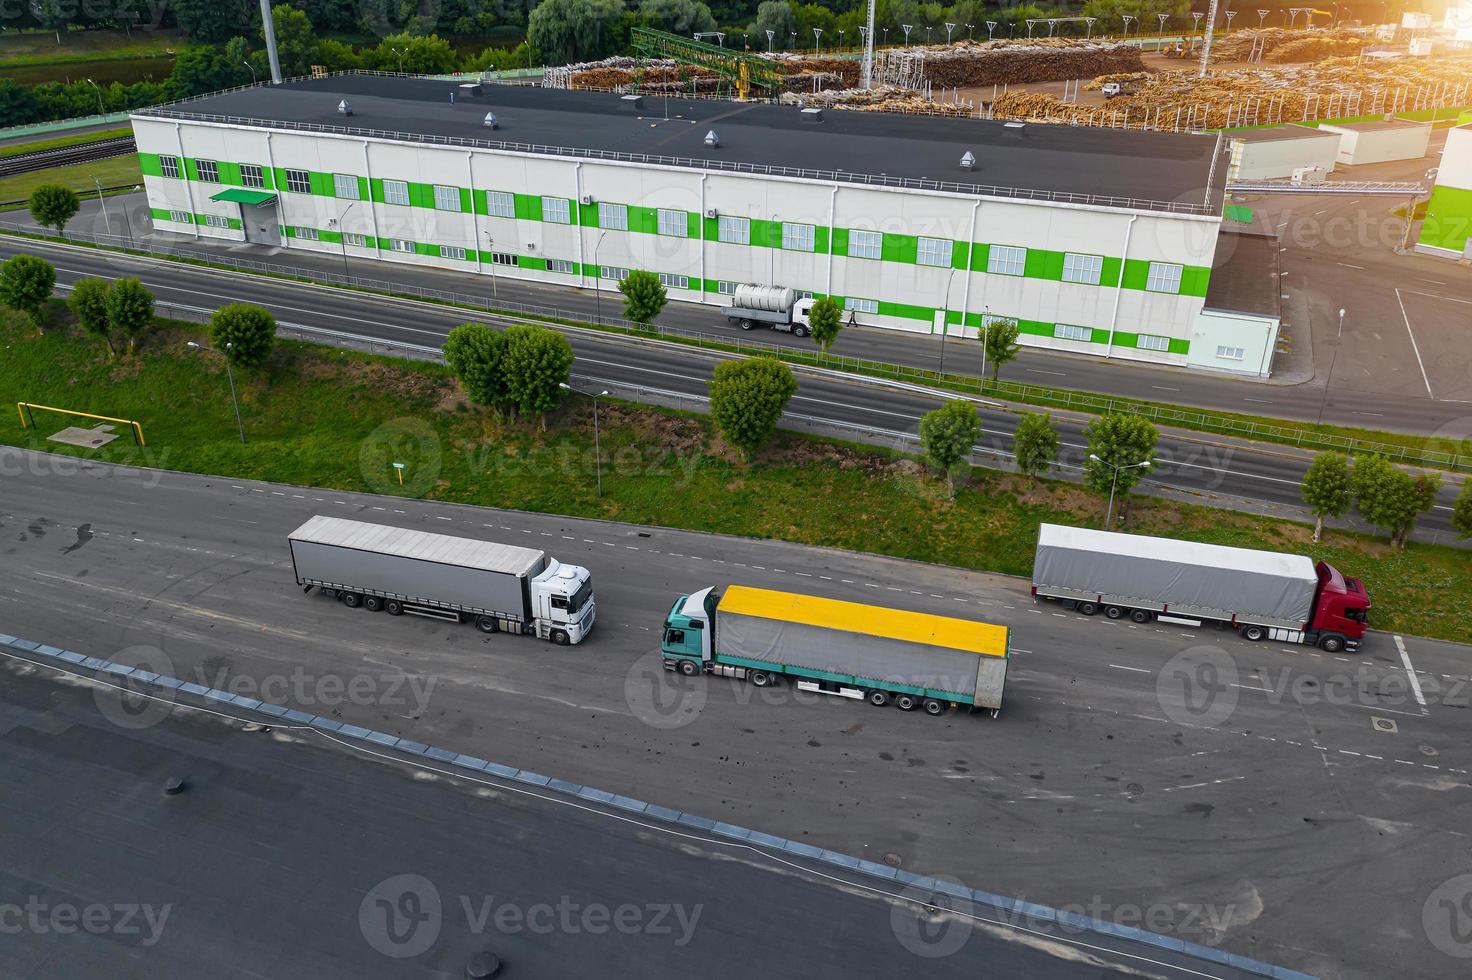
x=775 y=16
x=1035 y=443
x=683 y=17
x=212 y=21
x=422 y=54
x=573 y=30
x=244 y=333
x=199 y=69
x=948 y=435
x=88 y=302
x=130 y=309
x=26 y=283
x=644 y=296
x=1390 y=498
x=826 y=320
x=1326 y=488
x=1462 y=512
x=476 y=354
x=536 y=362
x=747 y=398
x=296 y=41
x=999 y=337
x=53 y=205
x=1118 y=444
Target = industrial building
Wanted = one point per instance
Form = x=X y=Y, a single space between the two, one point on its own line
x=1096 y=241
x=1282 y=151
x=1380 y=140
x=1447 y=230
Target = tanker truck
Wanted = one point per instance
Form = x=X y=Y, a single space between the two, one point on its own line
x=1263 y=595
x=777 y=307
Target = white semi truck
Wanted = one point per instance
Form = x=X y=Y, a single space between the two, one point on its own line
x=778 y=307
x=502 y=588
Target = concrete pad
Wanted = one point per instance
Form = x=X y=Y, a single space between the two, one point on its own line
x=86 y=438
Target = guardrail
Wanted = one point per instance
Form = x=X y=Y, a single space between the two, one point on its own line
x=1034 y=395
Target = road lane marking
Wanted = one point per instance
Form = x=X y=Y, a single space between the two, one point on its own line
x=1406 y=317
x=1348 y=266
x=1405 y=658
x=1138 y=670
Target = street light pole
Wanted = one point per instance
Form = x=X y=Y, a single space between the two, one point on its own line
x=230 y=375
x=252 y=71
x=343 y=239
x=945 y=320
x=103 y=204
x=598 y=278
x=491 y=247
x=1113 y=481
x=597 y=446
x=101 y=110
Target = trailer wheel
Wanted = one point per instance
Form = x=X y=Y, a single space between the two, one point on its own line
x=1114 y=612
x=906 y=702
x=760 y=678
x=934 y=707
x=744 y=323
x=487 y=624
x=372 y=603
x=689 y=668
x=1331 y=643
x=879 y=698
x=1087 y=608
x=1254 y=633
x=393 y=607
x=1141 y=615
x=559 y=638
x=352 y=600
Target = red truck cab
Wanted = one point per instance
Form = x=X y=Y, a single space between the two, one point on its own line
x=1341 y=606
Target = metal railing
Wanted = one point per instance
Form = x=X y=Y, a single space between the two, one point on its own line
x=494 y=310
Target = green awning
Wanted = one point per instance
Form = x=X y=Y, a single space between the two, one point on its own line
x=244 y=195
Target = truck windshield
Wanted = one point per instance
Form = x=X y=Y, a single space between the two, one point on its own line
x=580 y=598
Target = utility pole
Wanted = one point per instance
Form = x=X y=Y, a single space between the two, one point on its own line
x=866 y=72
x=1206 y=44
x=268 y=25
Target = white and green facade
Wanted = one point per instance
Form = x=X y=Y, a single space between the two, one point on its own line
x=1107 y=281
x=1447 y=230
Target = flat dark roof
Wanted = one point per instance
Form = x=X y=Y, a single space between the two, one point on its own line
x=1161 y=171
x=1244 y=275
x=1274 y=133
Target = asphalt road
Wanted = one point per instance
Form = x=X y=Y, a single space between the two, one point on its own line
x=291 y=856
x=1300 y=808
x=1204 y=467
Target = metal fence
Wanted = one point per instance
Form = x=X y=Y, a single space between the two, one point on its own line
x=495 y=310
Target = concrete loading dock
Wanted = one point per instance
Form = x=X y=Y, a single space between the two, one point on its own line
x=1267 y=154
x=1383 y=141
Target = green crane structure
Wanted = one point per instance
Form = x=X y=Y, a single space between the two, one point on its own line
x=744 y=71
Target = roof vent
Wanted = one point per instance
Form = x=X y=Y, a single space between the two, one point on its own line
x=632 y=101
x=491 y=121
x=968 y=160
x=712 y=140
x=811 y=115
x=1014 y=124
x=344 y=108
x=470 y=88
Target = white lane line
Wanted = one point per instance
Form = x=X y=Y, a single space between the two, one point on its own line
x=1434 y=282
x=1164 y=388
x=1260 y=401
x=439 y=518
x=1406 y=317
x=1379 y=710
x=1249 y=687
x=1138 y=670
x=1348 y=266
x=1210 y=782
x=1405 y=658
x=1059 y=374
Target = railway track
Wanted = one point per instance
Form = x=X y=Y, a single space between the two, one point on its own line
x=23 y=163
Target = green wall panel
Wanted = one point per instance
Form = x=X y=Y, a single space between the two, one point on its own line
x=900 y=248
x=1448 y=221
x=148 y=163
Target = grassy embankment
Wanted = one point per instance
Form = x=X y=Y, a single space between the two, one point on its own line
x=58 y=142
x=120 y=171
x=316 y=419
x=40 y=48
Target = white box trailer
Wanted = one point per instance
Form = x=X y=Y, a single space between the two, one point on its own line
x=399 y=570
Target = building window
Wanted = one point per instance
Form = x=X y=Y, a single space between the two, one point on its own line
x=220 y=221
x=865 y=245
x=452 y=252
x=357 y=241
x=672 y=281
x=726 y=288
x=182 y=217
x=500 y=204
x=208 y=171
x=251 y=175
x=1066 y=331
x=1232 y=353
x=1148 y=341
x=402 y=245
x=446 y=198
x=733 y=231
x=1087 y=269
x=1004 y=260
x=934 y=251
x=310 y=234
x=613 y=272
x=504 y=258
x=298 y=182
x=395 y=192
x=797 y=238
x=673 y=223
x=169 y=167
x=861 y=305
x=562 y=265
x=555 y=210
x=345 y=185
x=614 y=217
x=1165 y=277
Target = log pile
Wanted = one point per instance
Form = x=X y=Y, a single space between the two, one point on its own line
x=1284 y=46
x=884 y=98
x=972 y=65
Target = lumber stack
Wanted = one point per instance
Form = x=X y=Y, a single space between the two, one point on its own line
x=884 y=98
x=1285 y=45
x=972 y=65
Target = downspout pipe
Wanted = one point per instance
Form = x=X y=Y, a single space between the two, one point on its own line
x=1119 y=288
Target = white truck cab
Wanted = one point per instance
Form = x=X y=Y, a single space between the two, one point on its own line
x=562 y=602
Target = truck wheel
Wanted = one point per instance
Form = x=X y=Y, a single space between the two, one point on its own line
x=487 y=624
x=745 y=324
x=1331 y=644
x=1113 y=612
x=1141 y=615
x=559 y=638
x=799 y=331
x=352 y=600
x=760 y=678
x=906 y=702
x=689 y=668
x=372 y=603
x=934 y=707
x=393 y=607
x=879 y=698
x=1253 y=633
x=1087 y=608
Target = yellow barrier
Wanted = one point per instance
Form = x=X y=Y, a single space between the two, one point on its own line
x=28 y=419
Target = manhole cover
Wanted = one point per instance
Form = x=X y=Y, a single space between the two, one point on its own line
x=1383 y=724
x=1428 y=750
x=892 y=859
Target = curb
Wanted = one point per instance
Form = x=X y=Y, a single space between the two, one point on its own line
x=1030 y=910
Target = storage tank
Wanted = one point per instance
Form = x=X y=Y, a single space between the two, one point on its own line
x=773 y=299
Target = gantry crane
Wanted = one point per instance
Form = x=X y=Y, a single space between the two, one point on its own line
x=744 y=71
